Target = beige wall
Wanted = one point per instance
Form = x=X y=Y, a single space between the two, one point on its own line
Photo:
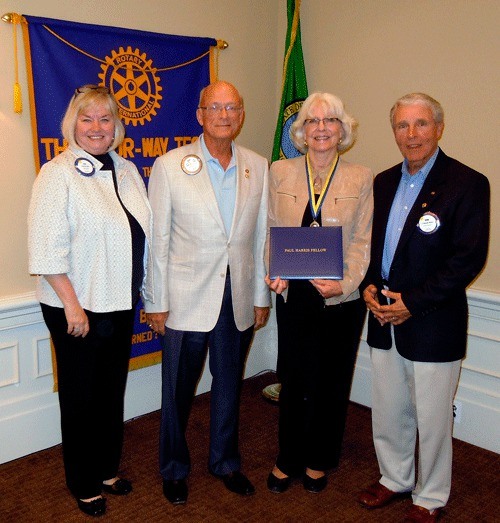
x=368 y=52
x=250 y=62
x=372 y=52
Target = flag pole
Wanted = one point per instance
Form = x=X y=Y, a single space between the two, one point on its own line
x=293 y=93
x=293 y=85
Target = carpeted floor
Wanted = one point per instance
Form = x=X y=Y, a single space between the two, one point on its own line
x=32 y=488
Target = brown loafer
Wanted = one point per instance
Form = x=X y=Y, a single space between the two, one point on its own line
x=418 y=514
x=377 y=495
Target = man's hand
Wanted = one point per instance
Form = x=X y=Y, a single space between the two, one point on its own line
x=395 y=313
x=261 y=317
x=372 y=304
x=156 y=321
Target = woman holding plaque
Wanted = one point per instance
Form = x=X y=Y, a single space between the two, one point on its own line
x=89 y=220
x=319 y=320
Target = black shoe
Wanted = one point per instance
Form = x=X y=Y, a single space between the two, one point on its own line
x=278 y=485
x=238 y=483
x=119 y=488
x=96 y=507
x=314 y=485
x=175 y=490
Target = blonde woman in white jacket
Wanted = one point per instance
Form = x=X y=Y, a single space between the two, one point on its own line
x=89 y=229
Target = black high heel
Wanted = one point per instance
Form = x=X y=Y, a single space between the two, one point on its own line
x=278 y=485
x=314 y=485
x=119 y=488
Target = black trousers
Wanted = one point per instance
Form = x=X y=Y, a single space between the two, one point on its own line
x=92 y=375
x=318 y=347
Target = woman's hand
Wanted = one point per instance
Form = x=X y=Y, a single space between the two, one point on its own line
x=278 y=285
x=327 y=288
x=78 y=322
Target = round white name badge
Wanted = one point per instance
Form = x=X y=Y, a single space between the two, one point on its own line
x=84 y=167
x=429 y=223
x=191 y=164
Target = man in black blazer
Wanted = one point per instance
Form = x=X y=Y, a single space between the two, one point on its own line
x=429 y=241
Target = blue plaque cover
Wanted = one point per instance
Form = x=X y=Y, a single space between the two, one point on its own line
x=306 y=253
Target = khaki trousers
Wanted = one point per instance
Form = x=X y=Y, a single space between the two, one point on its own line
x=407 y=397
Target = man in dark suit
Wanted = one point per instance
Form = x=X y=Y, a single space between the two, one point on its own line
x=429 y=242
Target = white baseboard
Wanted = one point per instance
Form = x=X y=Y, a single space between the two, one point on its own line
x=478 y=393
x=29 y=409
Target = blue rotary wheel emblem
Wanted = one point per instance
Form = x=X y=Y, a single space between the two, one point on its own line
x=288 y=150
x=286 y=144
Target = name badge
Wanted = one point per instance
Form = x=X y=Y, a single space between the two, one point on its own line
x=84 y=167
x=429 y=223
x=191 y=164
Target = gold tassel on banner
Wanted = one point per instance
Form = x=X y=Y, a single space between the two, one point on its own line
x=214 y=59
x=15 y=19
x=18 y=101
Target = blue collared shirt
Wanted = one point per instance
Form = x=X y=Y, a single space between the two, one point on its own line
x=223 y=183
x=408 y=190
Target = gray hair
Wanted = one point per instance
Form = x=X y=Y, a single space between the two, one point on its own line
x=80 y=102
x=334 y=107
x=422 y=99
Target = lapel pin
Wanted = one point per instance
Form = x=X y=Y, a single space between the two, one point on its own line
x=429 y=223
x=84 y=167
x=191 y=164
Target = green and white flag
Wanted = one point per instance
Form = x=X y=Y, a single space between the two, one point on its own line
x=294 y=85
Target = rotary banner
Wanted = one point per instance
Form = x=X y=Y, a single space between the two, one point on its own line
x=156 y=80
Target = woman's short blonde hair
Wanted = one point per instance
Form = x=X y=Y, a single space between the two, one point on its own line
x=83 y=98
x=334 y=107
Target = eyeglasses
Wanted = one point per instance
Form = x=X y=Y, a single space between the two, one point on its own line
x=90 y=87
x=218 y=108
x=314 y=122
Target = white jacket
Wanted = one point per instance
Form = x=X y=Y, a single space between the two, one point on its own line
x=191 y=249
x=76 y=226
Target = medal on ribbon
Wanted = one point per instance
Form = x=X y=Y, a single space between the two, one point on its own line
x=315 y=205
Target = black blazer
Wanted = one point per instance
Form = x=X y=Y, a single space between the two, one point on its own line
x=432 y=271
